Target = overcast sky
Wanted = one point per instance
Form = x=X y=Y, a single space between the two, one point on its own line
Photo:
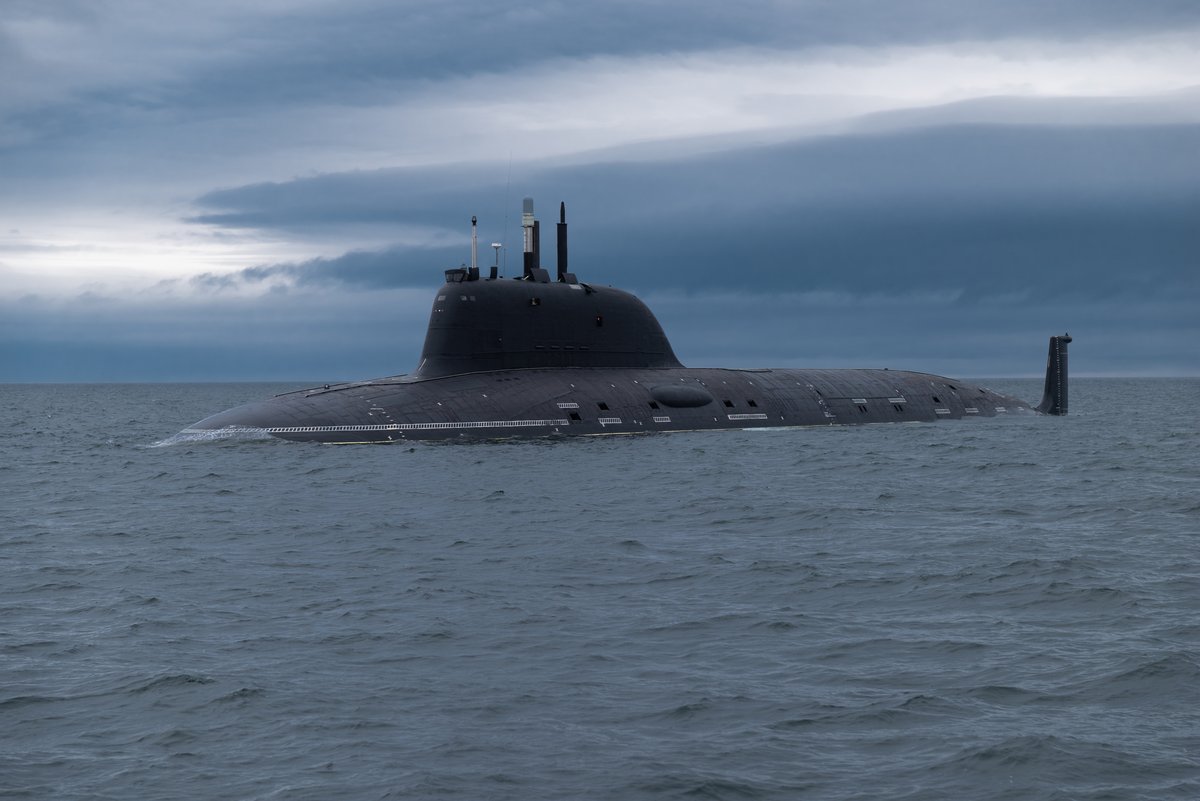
x=214 y=189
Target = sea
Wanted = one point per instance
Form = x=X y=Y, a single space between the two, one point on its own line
x=977 y=609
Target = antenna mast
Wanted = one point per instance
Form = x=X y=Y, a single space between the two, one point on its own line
x=474 y=246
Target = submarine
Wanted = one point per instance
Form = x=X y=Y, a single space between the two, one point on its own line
x=532 y=356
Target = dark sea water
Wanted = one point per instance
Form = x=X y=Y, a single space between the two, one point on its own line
x=962 y=610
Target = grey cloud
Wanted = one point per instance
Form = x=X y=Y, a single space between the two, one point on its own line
x=222 y=74
x=386 y=269
x=1090 y=211
x=976 y=228
x=355 y=50
x=218 y=281
x=351 y=53
x=1173 y=108
x=952 y=249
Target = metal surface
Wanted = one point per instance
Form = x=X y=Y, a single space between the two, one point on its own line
x=532 y=357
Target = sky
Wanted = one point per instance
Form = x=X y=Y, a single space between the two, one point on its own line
x=211 y=190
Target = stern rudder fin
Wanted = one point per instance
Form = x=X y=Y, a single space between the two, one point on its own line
x=1054 y=396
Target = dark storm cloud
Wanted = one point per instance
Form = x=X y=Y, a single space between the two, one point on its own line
x=1089 y=211
x=954 y=249
x=390 y=268
x=416 y=195
x=905 y=239
x=354 y=51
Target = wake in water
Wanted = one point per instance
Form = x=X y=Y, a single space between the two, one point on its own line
x=189 y=436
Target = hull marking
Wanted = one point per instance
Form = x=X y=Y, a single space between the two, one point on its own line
x=417 y=426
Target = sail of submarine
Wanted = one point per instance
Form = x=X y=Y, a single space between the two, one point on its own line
x=535 y=357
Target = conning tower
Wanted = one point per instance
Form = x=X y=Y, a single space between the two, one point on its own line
x=532 y=322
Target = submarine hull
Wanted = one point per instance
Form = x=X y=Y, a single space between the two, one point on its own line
x=605 y=401
x=532 y=357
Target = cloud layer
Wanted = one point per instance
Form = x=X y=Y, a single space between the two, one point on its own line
x=786 y=181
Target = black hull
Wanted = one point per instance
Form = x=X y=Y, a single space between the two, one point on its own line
x=534 y=358
x=598 y=401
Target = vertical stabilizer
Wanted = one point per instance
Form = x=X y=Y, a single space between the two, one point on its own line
x=1054 y=396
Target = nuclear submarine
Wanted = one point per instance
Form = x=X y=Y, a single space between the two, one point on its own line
x=536 y=357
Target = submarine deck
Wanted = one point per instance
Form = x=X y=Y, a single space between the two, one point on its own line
x=603 y=401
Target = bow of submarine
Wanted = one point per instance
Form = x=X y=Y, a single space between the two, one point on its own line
x=330 y=413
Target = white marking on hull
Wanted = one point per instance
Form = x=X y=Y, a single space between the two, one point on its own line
x=384 y=427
